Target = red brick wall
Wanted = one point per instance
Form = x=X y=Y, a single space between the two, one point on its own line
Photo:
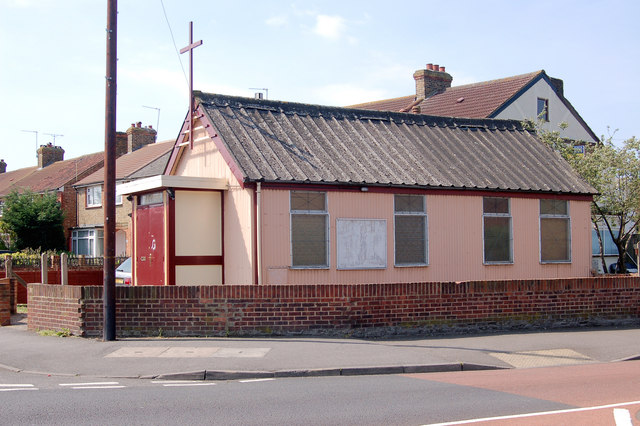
x=5 y=301
x=55 y=307
x=237 y=310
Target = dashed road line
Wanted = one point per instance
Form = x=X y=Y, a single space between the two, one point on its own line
x=13 y=387
x=182 y=383
x=622 y=417
x=93 y=385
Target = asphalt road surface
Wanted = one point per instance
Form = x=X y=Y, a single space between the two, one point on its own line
x=607 y=394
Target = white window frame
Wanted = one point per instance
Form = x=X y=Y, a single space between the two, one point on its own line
x=118 y=196
x=490 y=215
x=423 y=215
x=324 y=213
x=94 y=196
x=95 y=236
x=566 y=217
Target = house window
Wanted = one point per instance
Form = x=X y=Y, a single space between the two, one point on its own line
x=94 y=196
x=610 y=248
x=118 y=196
x=410 y=222
x=555 y=231
x=309 y=230
x=543 y=109
x=498 y=240
x=88 y=242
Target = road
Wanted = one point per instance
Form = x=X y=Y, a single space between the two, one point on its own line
x=605 y=394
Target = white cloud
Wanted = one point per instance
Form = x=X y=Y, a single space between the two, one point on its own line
x=331 y=27
x=277 y=21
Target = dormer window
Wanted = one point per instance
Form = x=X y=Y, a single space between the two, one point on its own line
x=543 y=109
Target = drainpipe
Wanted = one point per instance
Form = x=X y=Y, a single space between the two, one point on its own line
x=259 y=230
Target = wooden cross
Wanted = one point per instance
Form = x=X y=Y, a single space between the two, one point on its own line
x=189 y=49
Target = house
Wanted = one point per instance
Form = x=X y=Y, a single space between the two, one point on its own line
x=286 y=193
x=53 y=174
x=140 y=157
x=527 y=96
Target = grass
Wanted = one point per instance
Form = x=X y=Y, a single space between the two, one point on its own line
x=21 y=309
x=65 y=332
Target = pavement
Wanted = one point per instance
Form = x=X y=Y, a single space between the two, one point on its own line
x=26 y=351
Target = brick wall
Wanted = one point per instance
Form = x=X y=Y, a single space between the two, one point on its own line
x=5 y=301
x=360 y=309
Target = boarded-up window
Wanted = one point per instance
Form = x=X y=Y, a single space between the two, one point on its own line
x=309 y=229
x=555 y=231
x=498 y=241
x=411 y=243
x=361 y=243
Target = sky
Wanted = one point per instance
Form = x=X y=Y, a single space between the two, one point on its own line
x=53 y=58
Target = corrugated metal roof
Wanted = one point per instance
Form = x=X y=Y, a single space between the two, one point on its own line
x=275 y=141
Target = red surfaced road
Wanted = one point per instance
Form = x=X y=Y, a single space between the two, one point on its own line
x=579 y=386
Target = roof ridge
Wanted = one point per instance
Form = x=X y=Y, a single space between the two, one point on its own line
x=239 y=102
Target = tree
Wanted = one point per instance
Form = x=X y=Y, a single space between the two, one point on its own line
x=614 y=172
x=34 y=221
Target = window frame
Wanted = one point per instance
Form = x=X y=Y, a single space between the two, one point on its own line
x=507 y=215
x=92 y=190
x=567 y=217
x=545 y=110
x=95 y=237
x=420 y=214
x=327 y=240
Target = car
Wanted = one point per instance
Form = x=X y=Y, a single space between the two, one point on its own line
x=123 y=273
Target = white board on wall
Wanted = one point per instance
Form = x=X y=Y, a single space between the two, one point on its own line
x=361 y=243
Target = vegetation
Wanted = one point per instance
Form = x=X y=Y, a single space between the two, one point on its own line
x=33 y=221
x=614 y=172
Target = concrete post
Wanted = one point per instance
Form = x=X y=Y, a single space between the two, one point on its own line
x=8 y=266
x=44 y=269
x=64 y=269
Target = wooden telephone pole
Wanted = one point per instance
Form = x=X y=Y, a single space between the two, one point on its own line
x=109 y=274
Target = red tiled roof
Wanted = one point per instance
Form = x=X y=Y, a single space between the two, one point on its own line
x=130 y=163
x=395 y=104
x=477 y=100
x=8 y=179
x=56 y=175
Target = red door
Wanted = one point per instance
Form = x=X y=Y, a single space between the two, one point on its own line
x=150 y=245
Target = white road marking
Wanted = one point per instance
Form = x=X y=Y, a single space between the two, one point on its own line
x=542 y=413
x=15 y=385
x=187 y=384
x=98 y=387
x=89 y=384
x=255 y=380
x=622 y=417
x=17 y=389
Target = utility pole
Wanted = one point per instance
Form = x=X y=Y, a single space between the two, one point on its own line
x=109 y=260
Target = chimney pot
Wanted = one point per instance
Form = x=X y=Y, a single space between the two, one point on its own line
x=441 y=69
x=139 y=124
x=3 y=166
x=436 y=67
x=430 y=67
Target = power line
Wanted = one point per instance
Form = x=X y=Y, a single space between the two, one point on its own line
x=174 y=42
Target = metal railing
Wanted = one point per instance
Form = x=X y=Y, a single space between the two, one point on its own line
x=54 y=262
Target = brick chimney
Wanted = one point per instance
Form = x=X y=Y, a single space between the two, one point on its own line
x=121 y=144
x=3 y=166
x=49 y=154
x=138 y=136
x=431 y=81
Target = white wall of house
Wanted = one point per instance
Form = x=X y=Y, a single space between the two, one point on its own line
x=526 y=106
